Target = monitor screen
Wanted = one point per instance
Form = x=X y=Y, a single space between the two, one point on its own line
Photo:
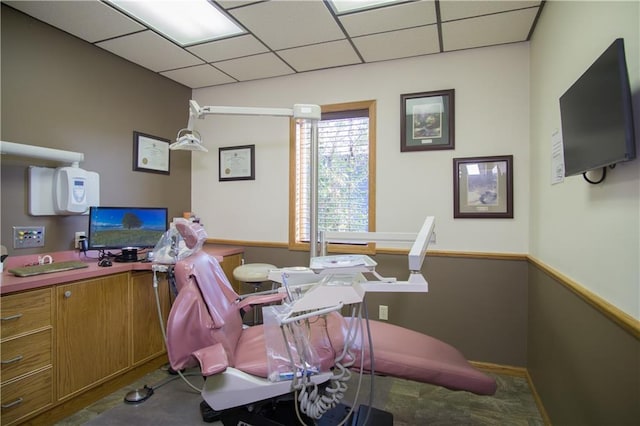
x=124 y=227
x=596 y=115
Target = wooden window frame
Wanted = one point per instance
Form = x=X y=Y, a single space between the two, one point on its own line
x=294 y=243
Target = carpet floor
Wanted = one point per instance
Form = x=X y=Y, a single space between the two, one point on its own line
x=411 y=403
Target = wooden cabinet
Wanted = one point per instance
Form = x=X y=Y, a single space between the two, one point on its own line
x=228 y=264
x=147 y=336
x=26 y=371
x=75 y=341
x=93 y=332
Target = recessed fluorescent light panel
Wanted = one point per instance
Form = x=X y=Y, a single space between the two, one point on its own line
x=186 y=22
x=346 y=6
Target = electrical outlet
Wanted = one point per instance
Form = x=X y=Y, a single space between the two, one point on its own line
x=432 y=240
x=383 y=312
x=79 y=235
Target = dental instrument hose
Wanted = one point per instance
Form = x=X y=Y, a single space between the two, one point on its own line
x=313 y=403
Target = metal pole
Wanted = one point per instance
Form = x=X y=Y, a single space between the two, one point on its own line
x=313 y=223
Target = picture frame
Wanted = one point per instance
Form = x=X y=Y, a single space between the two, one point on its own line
x=427 y=121
x=236 y=163
x=483 y=187
x=150 y=153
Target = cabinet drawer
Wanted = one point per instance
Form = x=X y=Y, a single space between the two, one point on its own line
x=24 y=354
x=23 y=312
x=25 y=396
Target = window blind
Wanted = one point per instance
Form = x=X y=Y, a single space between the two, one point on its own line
x=343 y=173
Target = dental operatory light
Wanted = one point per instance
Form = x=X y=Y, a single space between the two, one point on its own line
x=186 y=22
x=188 y=140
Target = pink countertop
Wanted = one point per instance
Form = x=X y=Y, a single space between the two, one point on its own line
x=9 y=283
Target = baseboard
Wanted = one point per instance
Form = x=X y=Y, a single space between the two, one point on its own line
x=510 y=370
x=536 y=397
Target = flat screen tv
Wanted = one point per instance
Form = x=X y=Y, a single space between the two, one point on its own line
x=596 y=115
x=126 y=227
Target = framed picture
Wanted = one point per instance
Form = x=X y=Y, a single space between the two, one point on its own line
x=237 y=163
x=483 y=187
x=427 y=121
x=150 y=153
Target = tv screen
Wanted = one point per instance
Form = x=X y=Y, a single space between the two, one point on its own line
x=124 y=227
x=596 y=115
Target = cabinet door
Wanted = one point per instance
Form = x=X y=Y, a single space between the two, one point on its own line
x=228 y=264
x=92 y=331
x=147 y=338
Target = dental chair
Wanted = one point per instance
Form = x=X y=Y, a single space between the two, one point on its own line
x=205 y=330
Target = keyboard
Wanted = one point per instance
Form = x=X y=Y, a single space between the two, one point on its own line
x=47 y=268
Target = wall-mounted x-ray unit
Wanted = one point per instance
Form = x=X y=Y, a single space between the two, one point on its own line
x=67 y=190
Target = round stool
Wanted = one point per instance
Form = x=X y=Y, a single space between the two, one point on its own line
x=254 y=274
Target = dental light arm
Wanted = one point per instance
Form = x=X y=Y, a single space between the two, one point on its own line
x=70 y=157
x=189 y=139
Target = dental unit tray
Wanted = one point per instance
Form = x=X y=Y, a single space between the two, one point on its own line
x=348 y=262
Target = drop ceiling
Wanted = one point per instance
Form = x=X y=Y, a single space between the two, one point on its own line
x=293 y=36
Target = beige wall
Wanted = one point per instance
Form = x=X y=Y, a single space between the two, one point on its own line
x=491 y=118
x=585 y=366
x=590 y=233
x=60 y=92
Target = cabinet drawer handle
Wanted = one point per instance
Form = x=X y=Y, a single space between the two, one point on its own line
x=13 y=403
x=12 y=317
x=11 y=361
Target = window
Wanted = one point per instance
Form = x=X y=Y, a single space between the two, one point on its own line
x=346 y=173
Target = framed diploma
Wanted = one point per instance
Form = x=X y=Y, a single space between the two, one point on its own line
x=150 y=153
x=236 y=163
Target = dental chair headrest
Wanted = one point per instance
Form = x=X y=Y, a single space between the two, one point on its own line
x=193 y=234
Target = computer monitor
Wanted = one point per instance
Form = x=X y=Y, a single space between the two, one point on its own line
x=126 y=227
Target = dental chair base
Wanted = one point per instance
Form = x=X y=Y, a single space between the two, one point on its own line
x=282 y=413
x=241 y=388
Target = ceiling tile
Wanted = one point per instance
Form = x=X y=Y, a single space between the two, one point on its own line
x=507 y=27
x=390 y=18
x=89 y=20
x=399 y=44
x=199 y=76
x=229 y=48
x=285 y=24
x=317 y=56
x=254 y=67
x=455 y=9
x=305 y=34
x=151 y=51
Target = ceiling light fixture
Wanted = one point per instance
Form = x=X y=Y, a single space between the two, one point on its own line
x=186 y=22
x=347 y=6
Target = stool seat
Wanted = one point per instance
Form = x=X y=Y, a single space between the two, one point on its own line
x=253 y=272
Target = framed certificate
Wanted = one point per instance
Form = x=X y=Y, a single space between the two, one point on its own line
x=236 y=163
x=150 y=153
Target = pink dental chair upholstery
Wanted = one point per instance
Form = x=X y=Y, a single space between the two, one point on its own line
x=205 y=329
